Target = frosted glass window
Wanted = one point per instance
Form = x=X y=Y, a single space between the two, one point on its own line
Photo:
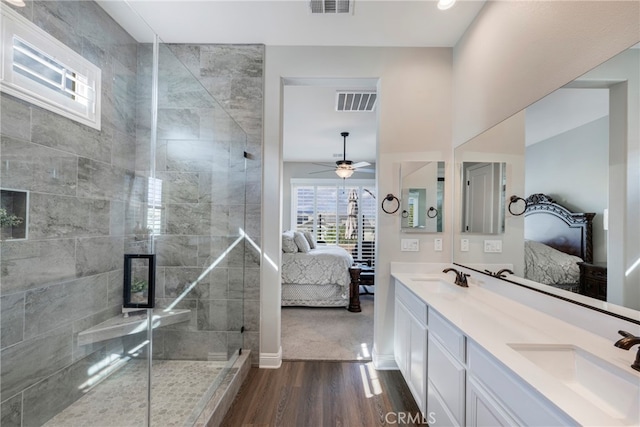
x=43 y=71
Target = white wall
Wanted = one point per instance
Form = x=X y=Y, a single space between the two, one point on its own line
x=414 y=123
x=516 y=52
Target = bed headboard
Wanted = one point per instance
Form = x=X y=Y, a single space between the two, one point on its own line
x=554 y=225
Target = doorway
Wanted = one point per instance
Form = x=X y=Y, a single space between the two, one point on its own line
x=311 y=144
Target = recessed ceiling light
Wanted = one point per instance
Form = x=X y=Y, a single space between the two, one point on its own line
x=445 y=4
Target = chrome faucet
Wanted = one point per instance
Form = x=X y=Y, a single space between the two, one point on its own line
x=628 y=341
x=461 y=278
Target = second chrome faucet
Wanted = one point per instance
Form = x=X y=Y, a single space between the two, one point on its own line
x=461 y=278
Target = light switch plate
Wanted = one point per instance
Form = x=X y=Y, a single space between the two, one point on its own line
x=464 y=245
x=437 y=245
x=410 y=245
x=493 y=246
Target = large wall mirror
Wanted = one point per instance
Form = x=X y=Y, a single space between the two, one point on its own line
x=574 y=156
x=422 y=197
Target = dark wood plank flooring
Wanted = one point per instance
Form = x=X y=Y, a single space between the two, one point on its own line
x=320 y=393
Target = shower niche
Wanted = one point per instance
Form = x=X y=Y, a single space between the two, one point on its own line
x=13 y=214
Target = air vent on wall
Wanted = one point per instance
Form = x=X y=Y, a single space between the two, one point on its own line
x=355 y=101
x=331 y=6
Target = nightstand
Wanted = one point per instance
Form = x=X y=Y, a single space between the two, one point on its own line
x=593 y=280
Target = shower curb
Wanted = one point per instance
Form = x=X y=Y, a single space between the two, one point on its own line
x=217 y=407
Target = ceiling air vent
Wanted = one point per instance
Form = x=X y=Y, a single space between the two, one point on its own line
x=355 y=101
x=331 y=6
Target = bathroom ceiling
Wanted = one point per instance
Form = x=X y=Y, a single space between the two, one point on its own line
x=290 y=22
x=311 y=125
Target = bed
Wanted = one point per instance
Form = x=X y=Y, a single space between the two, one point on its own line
x=556 y=240
x=314 y=275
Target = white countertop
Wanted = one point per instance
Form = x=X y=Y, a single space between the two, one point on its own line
x=493 y=322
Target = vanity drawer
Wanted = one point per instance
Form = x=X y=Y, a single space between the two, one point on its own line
x=411 y=301
x=451 y=338
x=521 y=402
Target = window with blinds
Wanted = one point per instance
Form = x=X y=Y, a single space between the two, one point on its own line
x=39 y=69
x=154 y=205
x=338 y=214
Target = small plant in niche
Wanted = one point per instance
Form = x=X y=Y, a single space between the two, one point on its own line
x=8 y=220
x=138 y=285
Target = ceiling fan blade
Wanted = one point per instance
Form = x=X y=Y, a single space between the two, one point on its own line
x=328 y=170
x=326 y=165
x=366 y=170
x=361 y=164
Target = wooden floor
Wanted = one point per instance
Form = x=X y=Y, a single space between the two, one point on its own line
x=319 y=393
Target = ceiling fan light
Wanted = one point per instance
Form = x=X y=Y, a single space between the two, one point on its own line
x=344 y=172
x=18 y=3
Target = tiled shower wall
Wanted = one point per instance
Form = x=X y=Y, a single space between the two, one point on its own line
x=67 y=276
x=233 y=74
x=207 y=195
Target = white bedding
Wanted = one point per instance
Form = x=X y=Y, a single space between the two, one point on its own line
x=324 y=265
x=549 y=266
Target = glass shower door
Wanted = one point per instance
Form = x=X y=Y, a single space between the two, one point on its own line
x=196 y=215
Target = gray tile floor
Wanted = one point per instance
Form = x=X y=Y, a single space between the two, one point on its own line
x=178 y=387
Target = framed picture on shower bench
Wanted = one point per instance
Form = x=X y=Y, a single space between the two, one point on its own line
x=139 y=280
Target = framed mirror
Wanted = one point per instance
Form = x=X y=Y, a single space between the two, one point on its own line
x=483 y=197
x=139 y=280
x=572 y=155
x=422 y=196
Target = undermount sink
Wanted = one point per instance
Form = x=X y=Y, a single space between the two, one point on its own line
x=437 y=285
x=607 y=386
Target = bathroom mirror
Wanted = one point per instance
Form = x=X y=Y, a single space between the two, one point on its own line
x=579 y=146
x=483 y=198
x=422 y=197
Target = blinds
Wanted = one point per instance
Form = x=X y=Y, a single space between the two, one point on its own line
x=325 y=211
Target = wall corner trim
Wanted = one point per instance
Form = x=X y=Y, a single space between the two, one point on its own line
x=271 y=360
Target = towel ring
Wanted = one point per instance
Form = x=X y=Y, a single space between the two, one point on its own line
x=432 y=209
x=405 y=214
x=391 y=198
x=515 y=199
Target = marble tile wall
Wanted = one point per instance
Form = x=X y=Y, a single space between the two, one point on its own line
x=67 y=276
x=86 y=196
x=208 y=195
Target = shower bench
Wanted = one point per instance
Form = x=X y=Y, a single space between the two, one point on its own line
x=120 y=326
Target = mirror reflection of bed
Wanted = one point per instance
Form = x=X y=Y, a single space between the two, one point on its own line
x=559 y=247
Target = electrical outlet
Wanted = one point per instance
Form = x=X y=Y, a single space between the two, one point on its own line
x=493 y=246
x=437 y=245
x=464 y=245
x=410 y=245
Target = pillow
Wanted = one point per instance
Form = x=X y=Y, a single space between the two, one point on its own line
x=288 y=244
x=301 y=242
x=310 y=239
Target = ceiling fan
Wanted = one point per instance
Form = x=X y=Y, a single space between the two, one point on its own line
x=345 y=168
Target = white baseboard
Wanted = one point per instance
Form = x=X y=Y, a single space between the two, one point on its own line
x=384 y=362
x=271 y=360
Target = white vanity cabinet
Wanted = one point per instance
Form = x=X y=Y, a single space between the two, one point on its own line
x=446 y=367
x=410 y=342
x=497 y=397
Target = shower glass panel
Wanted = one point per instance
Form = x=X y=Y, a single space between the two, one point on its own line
x=196 y=215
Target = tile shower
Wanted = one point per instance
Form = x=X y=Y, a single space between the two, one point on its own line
x=89 y=203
